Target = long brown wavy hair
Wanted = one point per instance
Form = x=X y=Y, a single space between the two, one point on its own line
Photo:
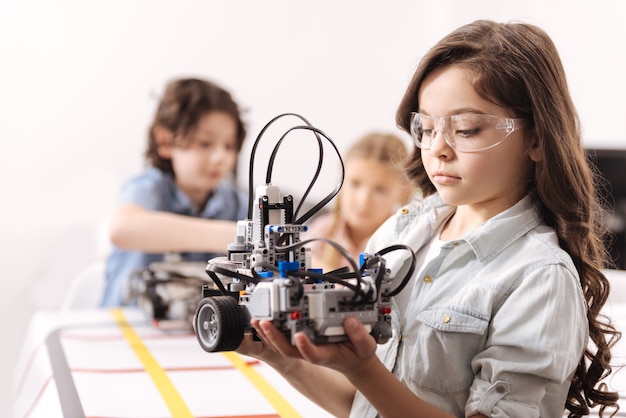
x=517 y=66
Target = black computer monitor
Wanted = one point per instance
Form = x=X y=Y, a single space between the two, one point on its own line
x=612 y=165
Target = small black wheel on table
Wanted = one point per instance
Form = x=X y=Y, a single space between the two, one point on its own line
x=220 y=323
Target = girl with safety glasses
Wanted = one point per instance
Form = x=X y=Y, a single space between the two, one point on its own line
x=502 y=316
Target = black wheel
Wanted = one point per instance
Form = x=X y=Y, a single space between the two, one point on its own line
x=220 y=323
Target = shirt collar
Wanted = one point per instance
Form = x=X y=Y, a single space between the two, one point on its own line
x=510 y=225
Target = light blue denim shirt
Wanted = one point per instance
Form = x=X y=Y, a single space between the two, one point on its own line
x=496 y=323
x=156 y=190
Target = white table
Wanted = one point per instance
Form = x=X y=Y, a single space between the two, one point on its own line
x=114 y=363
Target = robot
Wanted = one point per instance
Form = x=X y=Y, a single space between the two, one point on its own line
x=267 y=275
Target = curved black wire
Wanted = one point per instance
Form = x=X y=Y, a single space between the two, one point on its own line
x=338 y=276
x=318 y=170
x=359 y=296
x=217 y=282
x=409 y=272
x=266 y=266
x=376 y=258
x=317 y=133
x=253 y=153
x=339 y=248
x=212 y=269
x=331 y=195
x=273 y=268
x=381 y=266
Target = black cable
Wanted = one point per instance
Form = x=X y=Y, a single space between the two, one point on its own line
x=273 y=268
x=374 y=259
x=337 y=247
x=253 y=153
x=331 y=195
x=408 y=274
x=266 y=266
x=212 y=269
x=324 y=277
x=317 y=133
x=318 y=170
x=339 y=278
x=217 y=282
x=380 y=268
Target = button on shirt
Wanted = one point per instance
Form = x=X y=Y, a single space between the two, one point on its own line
x=495 y=323
x=156 y=190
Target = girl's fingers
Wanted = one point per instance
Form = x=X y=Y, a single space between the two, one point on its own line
x=307 y=349
x=364 y=344
x=275 y=339
x=361 y=345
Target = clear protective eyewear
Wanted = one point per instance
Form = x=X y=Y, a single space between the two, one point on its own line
x=465 y=132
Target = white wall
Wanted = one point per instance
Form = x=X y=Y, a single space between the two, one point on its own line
x=79 y=82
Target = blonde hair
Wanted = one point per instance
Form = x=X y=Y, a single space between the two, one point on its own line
x=385 y=148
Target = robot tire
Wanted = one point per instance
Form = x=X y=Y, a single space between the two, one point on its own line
x=220 y=323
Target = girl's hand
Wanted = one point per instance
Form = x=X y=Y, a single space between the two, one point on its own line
x=250 y=347
x=272 y=340
x=349 y=358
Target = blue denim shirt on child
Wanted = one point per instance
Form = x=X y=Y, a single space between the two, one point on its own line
x=495 y=324
x=156 y=190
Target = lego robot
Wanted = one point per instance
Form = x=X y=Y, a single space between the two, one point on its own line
x=267 y=275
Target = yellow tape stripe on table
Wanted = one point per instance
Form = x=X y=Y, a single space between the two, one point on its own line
x=170 y=395
x=172 y=398
x=267 y=390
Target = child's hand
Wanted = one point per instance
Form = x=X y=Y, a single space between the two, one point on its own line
x=349 y=358
x=252 y=348
x=271 y=340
